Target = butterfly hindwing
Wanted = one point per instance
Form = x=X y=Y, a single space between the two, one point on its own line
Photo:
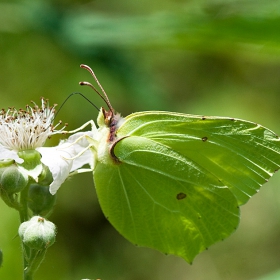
x=159 y=199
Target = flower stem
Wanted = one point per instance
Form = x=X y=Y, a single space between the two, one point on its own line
x=35 y=260
x=23 y=213
x=27 y=276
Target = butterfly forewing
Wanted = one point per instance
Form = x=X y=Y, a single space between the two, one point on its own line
x=241 y=154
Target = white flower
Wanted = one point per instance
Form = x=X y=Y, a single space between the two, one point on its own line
x=27 y=130
x=66 y=157
x=8 y=154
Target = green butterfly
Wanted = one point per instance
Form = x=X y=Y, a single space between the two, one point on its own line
x=174 y=182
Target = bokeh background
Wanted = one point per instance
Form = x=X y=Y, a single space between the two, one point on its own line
x=209 y=57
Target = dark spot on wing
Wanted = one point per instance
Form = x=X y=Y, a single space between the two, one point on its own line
x=204 y=139
x=181 y=195
x=203 y=118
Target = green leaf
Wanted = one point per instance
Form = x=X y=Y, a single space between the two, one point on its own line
x=174 y=182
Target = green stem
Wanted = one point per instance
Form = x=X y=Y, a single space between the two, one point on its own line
x=27 y=276
x=34 y=263
x=23 y=213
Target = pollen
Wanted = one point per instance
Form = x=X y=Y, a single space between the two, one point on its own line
x=27 y=129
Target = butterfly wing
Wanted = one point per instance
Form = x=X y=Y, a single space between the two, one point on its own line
x=181 y=178
x=158 y=198
x=241 y=154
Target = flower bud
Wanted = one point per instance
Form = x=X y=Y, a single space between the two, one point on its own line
x=40 y=200
x=4 y=164
x=45 y=178
x=12 y=179
x=37 y=233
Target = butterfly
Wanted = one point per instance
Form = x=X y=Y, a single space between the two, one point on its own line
x=175 y=182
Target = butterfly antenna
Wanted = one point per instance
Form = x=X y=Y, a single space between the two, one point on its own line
x=105 y=97
x=72 y=95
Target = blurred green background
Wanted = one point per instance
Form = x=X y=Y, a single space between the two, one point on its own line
x=209 y=57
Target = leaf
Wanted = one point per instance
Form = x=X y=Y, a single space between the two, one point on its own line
x=174 y=182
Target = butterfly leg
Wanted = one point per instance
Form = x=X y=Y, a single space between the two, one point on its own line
x=91 y=123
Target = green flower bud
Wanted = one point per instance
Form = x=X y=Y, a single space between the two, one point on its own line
x=4 y=164
x=40 y=200
x=45 y=178
x=37 y=233
x=12 y=179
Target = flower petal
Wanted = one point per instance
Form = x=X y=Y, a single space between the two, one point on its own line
x=9 y=154
x=65 y=158
x=57 y=162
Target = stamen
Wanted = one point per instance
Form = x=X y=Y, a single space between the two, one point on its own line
x=29 y=128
